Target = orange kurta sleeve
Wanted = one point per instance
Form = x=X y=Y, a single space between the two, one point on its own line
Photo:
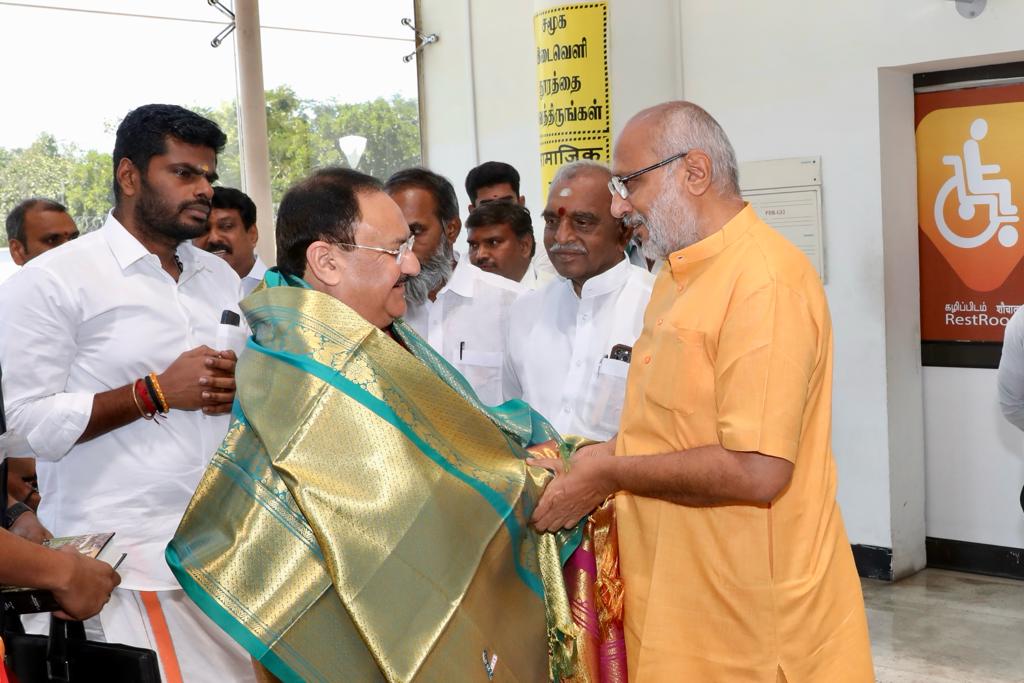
x=767 y=350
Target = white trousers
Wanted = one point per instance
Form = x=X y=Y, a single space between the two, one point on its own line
x=190 y=647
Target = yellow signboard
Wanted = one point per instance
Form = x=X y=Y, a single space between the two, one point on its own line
x=574 y=112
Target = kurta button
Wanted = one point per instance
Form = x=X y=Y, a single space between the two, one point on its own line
x=660 y=321
x=679 y=288
x=647 y=359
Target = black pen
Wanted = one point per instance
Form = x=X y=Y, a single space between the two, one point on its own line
x=462 y=347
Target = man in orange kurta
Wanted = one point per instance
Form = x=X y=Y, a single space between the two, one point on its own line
x=733 y=554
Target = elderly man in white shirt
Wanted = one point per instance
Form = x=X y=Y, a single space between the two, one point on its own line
x=233 y=235
x=570 y=343
x=459 y=309
x=109 y=373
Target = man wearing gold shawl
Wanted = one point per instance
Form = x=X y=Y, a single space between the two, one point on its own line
x=366 y=516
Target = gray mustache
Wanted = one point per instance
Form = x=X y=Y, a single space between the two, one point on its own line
x=568 y=249
x=634 y=220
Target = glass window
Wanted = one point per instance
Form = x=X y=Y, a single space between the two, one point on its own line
x=338 y=92
x=83 y=66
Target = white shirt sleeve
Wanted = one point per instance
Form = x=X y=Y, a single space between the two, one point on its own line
x=37 y=348
x=1011 y=371
x=511 y=387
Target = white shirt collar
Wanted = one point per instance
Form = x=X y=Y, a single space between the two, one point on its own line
x=259 y=269
x=127 y=249
x=608 y=281
x=463 y=280
x=123 y=245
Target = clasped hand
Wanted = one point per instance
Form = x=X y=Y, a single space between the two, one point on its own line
x=571 y=496
x=201 y=379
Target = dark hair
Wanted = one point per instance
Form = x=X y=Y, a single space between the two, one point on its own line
x=324 y=206
x=514 y=216
x=491 y=173
x=143 y=135
x=445 y=199
x=230 y=198
x=16 y=218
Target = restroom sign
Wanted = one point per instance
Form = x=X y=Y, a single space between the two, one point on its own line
x=970 y=194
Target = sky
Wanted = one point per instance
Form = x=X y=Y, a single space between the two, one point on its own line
x=76 y=73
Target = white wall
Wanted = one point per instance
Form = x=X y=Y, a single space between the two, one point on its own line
x=479 y=89
x=791 y=78
x=787 y=78
x=975 y=468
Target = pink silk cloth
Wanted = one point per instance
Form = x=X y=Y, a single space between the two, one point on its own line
x=595 y=595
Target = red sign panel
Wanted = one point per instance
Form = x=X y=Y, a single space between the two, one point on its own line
x=970 y=195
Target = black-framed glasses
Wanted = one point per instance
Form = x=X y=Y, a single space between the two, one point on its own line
x=617 y=184
x=399 y=253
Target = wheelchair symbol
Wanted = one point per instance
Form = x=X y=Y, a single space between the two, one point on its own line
x=973 y=189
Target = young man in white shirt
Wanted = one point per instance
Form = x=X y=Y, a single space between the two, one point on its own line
x=505 y=248
x=233 y=235
x=459 y=309
x=570 y=343
x=110 y=376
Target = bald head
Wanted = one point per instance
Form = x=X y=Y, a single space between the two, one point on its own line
x=576 y=168
x=679 y=126
x=678 y=181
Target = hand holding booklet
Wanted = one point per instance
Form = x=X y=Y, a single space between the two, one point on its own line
x=16 y=600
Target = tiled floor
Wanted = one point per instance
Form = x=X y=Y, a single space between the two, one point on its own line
x=945 y=627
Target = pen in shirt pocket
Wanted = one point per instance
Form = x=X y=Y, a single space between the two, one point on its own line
x=462 y=347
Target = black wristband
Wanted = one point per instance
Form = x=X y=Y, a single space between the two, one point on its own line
x=13 y=512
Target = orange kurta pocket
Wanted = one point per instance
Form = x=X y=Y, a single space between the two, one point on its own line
x=681 y=378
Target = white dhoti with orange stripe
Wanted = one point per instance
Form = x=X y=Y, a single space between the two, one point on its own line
x=190 y=647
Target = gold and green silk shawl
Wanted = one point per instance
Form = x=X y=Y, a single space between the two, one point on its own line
x=366 y=517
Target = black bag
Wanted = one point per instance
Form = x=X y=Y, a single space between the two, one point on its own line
x=66 y=656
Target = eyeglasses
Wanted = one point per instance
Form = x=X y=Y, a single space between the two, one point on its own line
x=617 y=185
x=399 y=253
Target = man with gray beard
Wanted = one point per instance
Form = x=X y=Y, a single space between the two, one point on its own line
x=732 y=550
x=459 y=309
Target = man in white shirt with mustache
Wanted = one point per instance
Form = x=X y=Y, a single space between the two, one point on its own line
x=233 y=235
x=570 y=342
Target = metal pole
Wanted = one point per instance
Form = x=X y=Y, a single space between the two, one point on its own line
x=252 y=123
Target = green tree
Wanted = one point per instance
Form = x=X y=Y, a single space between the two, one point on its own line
x=89 y=192
x=48 y=168
x=304 y=136
x=391 y=128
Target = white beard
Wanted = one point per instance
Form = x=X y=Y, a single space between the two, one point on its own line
x=671 y=225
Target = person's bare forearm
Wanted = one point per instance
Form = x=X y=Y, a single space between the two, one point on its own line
x=31 y=565
x=111 y=410
x=703 y=476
